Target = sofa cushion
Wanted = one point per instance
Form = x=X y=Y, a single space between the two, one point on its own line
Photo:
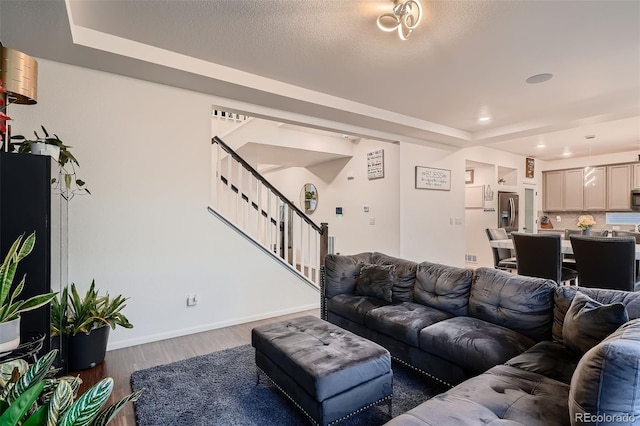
x=523 y=304
x=405 y=276
x=588 y=322
x=403 y=321
x=503 y=395
x=607 y=379
x=472 y=343
x=341 y=272
x=551 y=359
x=375 y=281
x=353 y=307
x=563 y=296
x=443 y=287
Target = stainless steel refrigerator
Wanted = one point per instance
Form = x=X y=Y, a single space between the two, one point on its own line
x=508 y=211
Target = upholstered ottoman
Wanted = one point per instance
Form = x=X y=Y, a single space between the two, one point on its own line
x=329 y=373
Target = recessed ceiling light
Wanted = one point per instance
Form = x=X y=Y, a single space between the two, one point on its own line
x=566 y=153
x=539 y=78
x=484 y=119
x=540 y=145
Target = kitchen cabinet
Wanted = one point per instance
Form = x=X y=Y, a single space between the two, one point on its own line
x=636 y=176
x=595 y=194
x=619 y=187
x=553 y=184
x=573 y=189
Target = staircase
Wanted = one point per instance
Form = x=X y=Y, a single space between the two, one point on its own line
x=244 y=199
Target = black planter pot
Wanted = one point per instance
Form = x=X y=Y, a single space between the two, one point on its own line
x=61 y=343
x=88 y=350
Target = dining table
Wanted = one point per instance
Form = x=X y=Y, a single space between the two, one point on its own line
x=565 y=246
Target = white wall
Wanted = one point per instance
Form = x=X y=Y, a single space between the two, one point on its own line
x=352 y=231
x=477 y=220
x=426 y=232
x=144 y=151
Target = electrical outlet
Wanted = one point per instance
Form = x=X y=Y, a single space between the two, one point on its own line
x=372 y=221
x=192 y=299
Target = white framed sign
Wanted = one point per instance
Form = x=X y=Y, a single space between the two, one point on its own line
x=375 y=164
x=430 y=178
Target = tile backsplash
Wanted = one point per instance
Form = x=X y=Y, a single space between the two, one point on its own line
x=569 y=220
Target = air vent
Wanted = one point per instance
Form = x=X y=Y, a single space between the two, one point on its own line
x=471 y=258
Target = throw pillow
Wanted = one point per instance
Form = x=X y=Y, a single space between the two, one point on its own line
x=588 y=322
x=376 y=281
x=606 y=382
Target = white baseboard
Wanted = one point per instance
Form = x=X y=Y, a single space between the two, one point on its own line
x=206 y=327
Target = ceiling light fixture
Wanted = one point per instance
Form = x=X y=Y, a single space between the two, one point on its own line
x=539 y=78
x=404 y=17
x=484 y=118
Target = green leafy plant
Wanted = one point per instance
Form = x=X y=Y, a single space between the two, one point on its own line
x=10 y=306
x=72 y=314
x=67 y=161
x=34 y=396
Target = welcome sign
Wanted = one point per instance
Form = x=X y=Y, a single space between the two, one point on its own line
x=430 y=178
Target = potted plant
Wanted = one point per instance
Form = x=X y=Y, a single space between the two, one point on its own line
x=32 y=395
x=85 y=322
x=66 y=182
x=10 y=306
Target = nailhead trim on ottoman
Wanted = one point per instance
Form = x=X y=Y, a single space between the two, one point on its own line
x=329 y=373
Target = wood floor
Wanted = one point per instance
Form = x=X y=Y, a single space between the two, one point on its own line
x=119 y=364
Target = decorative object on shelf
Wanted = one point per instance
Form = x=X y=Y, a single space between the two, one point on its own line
x=502 y=181
x=309 y=198
x=585 y=222
x=488 y=193
x=18 y=83
x=31 y=394
x=468 y=176
x=10 y=307
x=430 y=178
x=67 y=183
x=404 y=17
x=85 y=322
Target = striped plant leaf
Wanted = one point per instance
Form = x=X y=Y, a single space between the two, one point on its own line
x=27 y=246
x=106 y=415
x=61 y=399
x=6 y=370
x=34 y=374
x=18 y=408
x=86 y=408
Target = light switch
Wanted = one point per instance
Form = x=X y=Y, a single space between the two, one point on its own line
x=458 y=221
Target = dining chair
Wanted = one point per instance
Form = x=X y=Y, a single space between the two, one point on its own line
x=569 y=260
x=502 y=258
x=539 y=255
x=635 y=235
x=606 y=262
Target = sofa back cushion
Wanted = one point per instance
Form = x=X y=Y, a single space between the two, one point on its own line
x=523 y=304
x=564 y=296
x=341 y=272
x=404 y=277
x=443 y=287
x=606 y=381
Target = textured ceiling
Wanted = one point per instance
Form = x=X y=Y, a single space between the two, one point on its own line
x=326 y=59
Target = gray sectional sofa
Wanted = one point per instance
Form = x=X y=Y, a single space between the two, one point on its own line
x=499 y=339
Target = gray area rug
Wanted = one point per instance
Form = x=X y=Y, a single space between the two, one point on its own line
x=220 y=389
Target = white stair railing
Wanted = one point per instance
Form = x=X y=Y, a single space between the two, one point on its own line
x=254 y=206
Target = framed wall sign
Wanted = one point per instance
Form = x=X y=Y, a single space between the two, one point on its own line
x=529 y=167
x=430 y=178
x=468 y=176
x=375 y=164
